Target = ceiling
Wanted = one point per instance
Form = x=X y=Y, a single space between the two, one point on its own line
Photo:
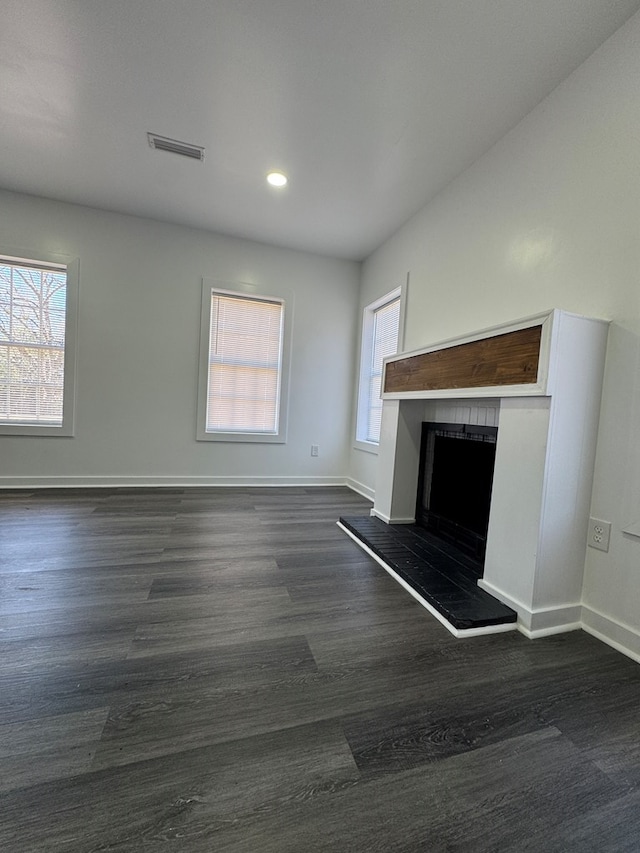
x=369 y=106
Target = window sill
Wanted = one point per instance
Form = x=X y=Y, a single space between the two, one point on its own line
x=366 y=446
x=39 y=431
x=241 y=437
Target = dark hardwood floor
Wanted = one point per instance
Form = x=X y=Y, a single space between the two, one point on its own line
x=214 y=670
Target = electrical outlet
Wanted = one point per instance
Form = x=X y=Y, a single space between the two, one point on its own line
x=315 y=450
x=599 y=534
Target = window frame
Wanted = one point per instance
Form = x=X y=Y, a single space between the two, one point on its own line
x=366 y=345
x=250 y=291
x=67 y=428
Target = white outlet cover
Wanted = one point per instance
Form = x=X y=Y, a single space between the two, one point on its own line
x=599 y=534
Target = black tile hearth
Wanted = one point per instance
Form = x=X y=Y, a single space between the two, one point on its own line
x=442 y=575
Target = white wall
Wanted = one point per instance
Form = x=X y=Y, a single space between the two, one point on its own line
x=139 y=322
x=549 y=218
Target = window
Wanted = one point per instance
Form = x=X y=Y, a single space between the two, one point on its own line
x=38 y=304
x=380 y=333
x=244 y=365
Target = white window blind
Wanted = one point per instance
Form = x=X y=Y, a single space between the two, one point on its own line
x=380 y=339
x=32 y=343
x=245 y=364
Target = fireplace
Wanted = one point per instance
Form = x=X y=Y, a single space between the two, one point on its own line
x=544 y=374
x=454 y=484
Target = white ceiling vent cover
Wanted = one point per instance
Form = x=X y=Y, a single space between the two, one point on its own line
x=174 y=146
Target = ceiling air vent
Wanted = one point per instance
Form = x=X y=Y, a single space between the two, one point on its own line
x=163 y=143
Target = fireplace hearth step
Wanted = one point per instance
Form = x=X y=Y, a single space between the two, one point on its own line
x=438 y=572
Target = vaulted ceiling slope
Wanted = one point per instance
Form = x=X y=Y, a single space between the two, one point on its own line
x=369 y=106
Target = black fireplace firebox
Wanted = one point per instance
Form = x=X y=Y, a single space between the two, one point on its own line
x=454 y=484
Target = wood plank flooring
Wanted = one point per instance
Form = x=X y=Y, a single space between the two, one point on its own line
x=225 y=671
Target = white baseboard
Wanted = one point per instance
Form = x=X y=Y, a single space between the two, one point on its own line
x=541 y=622
x=555 y=620
x=164 y=482
x=621 y=637
x=562 y=628
x=375 y=513
x=391 y=519
x=457 y=632
x=361 y=489
x=571 y=617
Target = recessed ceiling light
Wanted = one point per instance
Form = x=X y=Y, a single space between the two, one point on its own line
x=277 y=179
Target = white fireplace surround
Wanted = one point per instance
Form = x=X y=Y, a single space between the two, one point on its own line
x=543 y=471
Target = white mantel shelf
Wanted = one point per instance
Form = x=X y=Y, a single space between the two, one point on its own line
x=552 y=322
x=543 y=473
